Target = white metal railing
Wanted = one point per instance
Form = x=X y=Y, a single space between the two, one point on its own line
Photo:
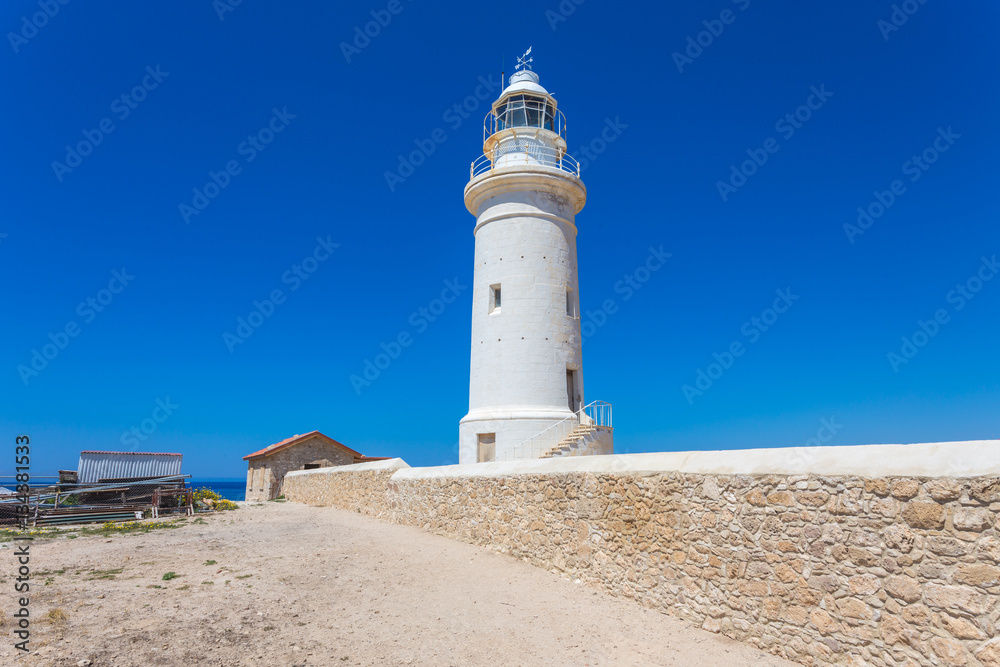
x=534 y=155
x=597 y=414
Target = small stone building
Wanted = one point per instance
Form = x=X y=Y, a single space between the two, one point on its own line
x=266 y=468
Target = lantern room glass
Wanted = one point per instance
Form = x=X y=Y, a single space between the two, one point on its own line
x=525 y=111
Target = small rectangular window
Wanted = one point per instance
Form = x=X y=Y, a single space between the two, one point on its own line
x=495 y=298
x=570 y=303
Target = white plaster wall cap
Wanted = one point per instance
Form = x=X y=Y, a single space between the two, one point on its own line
x=388 y=464
x=972 y=458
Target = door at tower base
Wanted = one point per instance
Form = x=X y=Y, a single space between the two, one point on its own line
x=571 y=391
x=487 y=447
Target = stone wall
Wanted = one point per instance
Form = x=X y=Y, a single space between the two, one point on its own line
x=361 y=487
x=889 y=555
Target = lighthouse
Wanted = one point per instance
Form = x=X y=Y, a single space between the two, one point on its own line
x=526 y=398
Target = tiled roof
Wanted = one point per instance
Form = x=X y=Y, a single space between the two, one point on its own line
x=296 y=439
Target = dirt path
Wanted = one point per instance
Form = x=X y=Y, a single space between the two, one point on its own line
x=297 y=585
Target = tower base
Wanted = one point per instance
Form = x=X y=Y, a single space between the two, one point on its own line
x=511 y=433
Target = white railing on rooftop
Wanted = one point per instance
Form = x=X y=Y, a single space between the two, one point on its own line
x=533 y=156
x=597 y=414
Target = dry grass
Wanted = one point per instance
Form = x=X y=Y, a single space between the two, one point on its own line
x=57 y=615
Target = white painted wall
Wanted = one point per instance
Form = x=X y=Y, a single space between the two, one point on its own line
x=526 y=243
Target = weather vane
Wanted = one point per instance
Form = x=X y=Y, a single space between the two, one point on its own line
x=523 y=61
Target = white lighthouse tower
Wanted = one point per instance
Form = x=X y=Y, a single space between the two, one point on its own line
x=526 y=376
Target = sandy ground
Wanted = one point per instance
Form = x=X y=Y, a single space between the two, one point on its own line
x=297 y=585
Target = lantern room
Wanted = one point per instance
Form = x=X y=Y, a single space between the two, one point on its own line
x=525 y=127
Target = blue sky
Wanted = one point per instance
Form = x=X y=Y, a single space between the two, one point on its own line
x=308 y=129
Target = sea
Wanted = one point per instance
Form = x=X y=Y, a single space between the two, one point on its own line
x=230 y=489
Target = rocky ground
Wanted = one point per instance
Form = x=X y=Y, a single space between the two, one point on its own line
x=288 y=584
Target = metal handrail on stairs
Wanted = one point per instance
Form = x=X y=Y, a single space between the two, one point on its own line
x=597 y=413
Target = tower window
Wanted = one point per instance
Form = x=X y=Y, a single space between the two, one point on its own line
x=495 y=298
x=570 y=303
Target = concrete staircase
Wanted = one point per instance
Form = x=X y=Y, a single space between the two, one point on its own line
x=576 y=440
x=585 y=432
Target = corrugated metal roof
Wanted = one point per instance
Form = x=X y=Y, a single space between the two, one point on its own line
x=97 y=451
x=96 y=465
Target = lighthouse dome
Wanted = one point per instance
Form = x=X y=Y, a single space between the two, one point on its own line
x=524 y=81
